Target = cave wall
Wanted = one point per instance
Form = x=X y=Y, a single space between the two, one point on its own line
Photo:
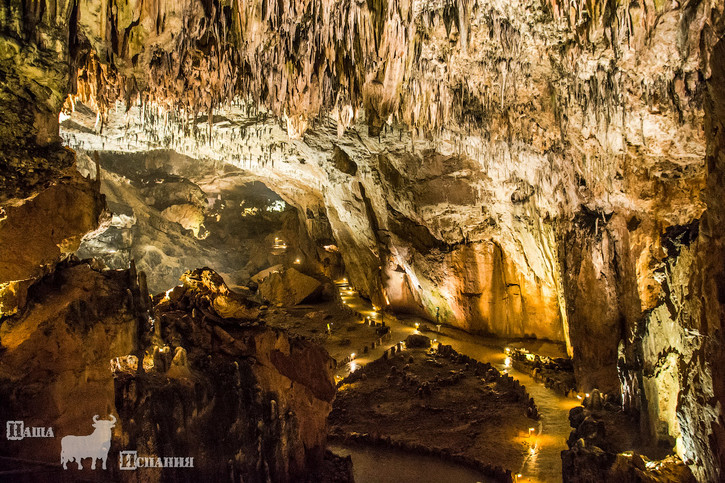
x=488 y=131
x=37 y=42
x=526 y=137
x=170 y=212
x=55 y=355
x=699 y=409
x=182 y=377
x=42 y=227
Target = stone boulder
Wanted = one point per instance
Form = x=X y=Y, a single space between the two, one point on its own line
x=602 y=448
x=205 y=283
x=191 y=217
x=266 y=273
x=582 y=464
x=417 y=340
x=289 y=288
x=585 y=463
x=174 y=191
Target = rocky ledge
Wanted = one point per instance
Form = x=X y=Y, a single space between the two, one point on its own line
x=191 y=376
x=44 y=224
x=605 y=445
x=555 y=372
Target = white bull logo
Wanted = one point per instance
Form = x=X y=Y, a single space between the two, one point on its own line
x=94 y=446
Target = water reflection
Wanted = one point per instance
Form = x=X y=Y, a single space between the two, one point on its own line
x=372 y=464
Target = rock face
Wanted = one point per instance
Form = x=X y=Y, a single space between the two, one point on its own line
x=170 y=213
x=55 y=367
x=186 y=215
x=601 y=449
x=246 y=401
x=211 y=293
x=289 y=287
x=272 y=412
x=37 y=231
x=525 y=167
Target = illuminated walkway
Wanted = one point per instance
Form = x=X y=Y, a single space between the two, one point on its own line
x=543 y=463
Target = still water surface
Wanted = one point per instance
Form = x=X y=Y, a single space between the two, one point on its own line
x=372 y=464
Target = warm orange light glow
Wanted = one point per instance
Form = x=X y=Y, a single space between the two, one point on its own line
x=568 y=403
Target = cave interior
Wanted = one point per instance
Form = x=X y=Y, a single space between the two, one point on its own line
x=336 y=241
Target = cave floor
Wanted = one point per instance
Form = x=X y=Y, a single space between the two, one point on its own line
x=351 y=334
x=544 y=464
x=465 y=414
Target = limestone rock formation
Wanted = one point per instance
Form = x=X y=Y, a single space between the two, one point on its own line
x=510 y=167
x=55 y=367
x=289 y=287
x=211 y=292
x=259 y=277
x=40 y=229
x=417 y=340
x=246 y=401
x=601 y=449
x=155 y=197
x=186 y=215
x=267 y=394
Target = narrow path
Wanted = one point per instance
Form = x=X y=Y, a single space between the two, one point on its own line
x=543 y=464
